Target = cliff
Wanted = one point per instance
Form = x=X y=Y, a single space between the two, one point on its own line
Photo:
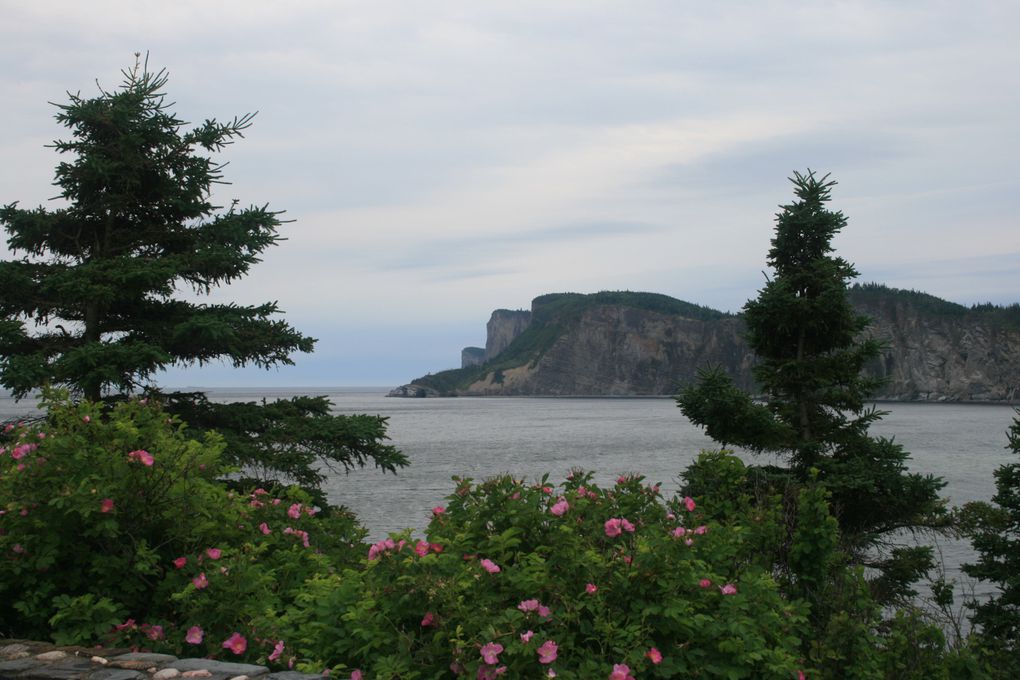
x=633 y=344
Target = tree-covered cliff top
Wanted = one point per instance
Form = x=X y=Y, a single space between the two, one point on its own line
x=876 y=294
x=570 y=306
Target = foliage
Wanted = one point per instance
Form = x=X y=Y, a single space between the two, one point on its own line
x=99 y=281
x=295 y=438
x=98 y=504
x=995 y=534
x=807 y=339
x=98 y=277
x=594 y=577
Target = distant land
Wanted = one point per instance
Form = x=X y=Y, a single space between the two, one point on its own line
x=645 y=344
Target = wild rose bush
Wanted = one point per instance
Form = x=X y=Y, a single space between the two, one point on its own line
x=521 y=580
x=114 y=527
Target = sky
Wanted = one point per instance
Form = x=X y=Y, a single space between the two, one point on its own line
x=441 y=160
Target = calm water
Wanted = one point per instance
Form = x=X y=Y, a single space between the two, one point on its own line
x=481 y=437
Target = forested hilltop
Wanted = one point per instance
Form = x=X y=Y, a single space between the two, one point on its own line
x=628 y=343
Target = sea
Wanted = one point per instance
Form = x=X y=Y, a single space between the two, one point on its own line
x=531 y=437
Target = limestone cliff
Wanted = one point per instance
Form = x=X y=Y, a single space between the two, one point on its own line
x=504 y=325
x=647 y=344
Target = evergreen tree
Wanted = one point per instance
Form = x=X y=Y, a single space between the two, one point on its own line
x=995 y=535
x=91 y=303
x=810 y=355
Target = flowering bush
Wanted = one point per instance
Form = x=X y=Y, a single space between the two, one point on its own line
x=577 y=582
x=114 y=527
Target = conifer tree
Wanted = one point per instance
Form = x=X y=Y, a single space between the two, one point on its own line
x=811 y=351
x=92 y=302
x=995 y=535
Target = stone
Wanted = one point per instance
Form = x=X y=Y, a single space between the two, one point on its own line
x=116 y=674
x=141 y=661
x=102 y=661
x=55 y=655
x=200 y=673
x=17 y=650
x=224 y=668
x=69 y=669
x=9 y=669
x=166 y=674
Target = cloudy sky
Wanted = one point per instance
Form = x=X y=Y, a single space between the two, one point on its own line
x=444 y=159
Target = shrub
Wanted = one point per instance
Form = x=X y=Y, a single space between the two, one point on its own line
x=115 y=527
x=521 y=580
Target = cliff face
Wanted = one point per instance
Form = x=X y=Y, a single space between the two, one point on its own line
x=504 y=325
x=639 y=344
x=619 y=350
x=952 y=357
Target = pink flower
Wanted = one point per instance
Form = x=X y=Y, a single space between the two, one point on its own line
x=728 y=589
x=264 y=528
x=18 y=549
x=106 y=505
x=560 y=507
x=679 y=532
x=155 y=633
x=689 y=503
x=550 y=673
x=590 y=588
x=688 y=541
x=705 y=583
x=200 y=581
x=236 y=643
x=800 y=675
x=214 y=553
x=547 y=652
x=277 y=651
x=528 y=605
x=294 y=511
x=490 y=566
x=490 y=652
x=670 y=516
x=427 y=620
x=544 y=611
x=612 y=527
x=621 y=671
x=438 y=510
x=87 y=419
x=621 y=479
x=421 y=548
x=127 y=625
x=701 y=531
x=180 y=562
x=356 y=674
x=654 y=655
x=627 y=526
x=526 y=636
x=194 y=636
x=142 y=456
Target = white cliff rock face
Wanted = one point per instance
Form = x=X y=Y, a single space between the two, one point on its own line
x=615 y=349
x=504 y=325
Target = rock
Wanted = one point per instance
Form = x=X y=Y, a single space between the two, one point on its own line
x=55 y=655
x=100 y=660
x=140 y=661
x=635 y=344
x=200 y=673
x=220 y=668
x=17 y=650
x=116 y=674
x=166 y=674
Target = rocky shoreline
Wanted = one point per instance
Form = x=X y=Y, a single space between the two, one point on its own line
x=29 y=660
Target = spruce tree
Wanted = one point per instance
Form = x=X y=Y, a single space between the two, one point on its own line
x=995 y=534
x=811 y=350
x=92 y=301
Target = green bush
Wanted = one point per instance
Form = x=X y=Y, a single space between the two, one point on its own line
x=521 y=580
x=111 y=517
